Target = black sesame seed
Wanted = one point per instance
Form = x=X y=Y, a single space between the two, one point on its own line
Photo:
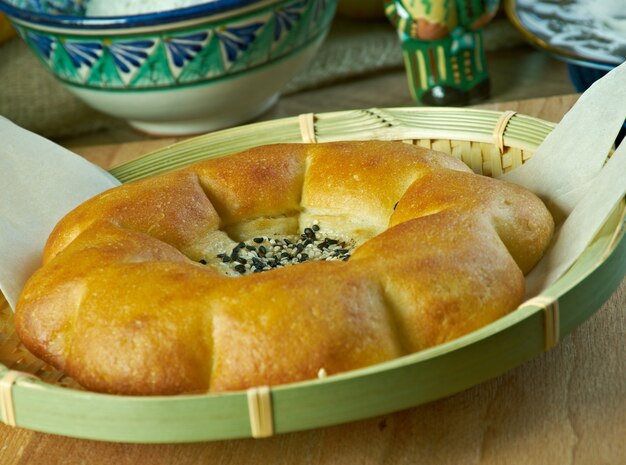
x=203 y=261
x=241 y=260
x=287 y=242
x=241 y=245
x=258 y=240
x=262 y=249
x=225 y=258
x=257 y=262
x=315 y=227
x=221 y=255
x=304 y=256
x=285 y=255
x=250 y=247
x=240 y=268
x=332 y=241
x=346 y=258
x=308 y=242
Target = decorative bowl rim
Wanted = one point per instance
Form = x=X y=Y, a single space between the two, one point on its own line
x=214 y=7
x=510 y=8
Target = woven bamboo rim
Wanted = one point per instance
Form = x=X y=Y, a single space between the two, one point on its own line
x=468 y=134
x=490 y=142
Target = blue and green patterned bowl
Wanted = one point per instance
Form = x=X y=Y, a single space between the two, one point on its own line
x=181 y=71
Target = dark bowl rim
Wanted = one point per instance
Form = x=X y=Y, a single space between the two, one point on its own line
x=123 y=22
x=585 y=63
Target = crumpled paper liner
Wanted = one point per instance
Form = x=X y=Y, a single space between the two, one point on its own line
x=40 y=182
x=570 y=172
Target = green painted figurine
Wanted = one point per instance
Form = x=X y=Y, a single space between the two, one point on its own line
x=442 y=46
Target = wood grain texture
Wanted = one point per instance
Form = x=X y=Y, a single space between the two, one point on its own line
x=567 y=406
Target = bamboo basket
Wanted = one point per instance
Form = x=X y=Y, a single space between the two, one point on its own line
x=37 y=397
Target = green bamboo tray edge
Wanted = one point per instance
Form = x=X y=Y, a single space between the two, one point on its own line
x=388 y=124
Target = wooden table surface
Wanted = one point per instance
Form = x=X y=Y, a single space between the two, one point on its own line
x=567 y=406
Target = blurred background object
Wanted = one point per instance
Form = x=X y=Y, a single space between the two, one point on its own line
x=181 y=71
x=589 y=35
x=442 y=45
x=361 y=9
x=6 y=31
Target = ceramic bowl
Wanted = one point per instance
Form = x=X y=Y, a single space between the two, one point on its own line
x=587 y=34
x=182 y=71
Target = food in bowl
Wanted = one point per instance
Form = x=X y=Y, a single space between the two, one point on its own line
x=132 y=7
x=182 y=71
x=276 y=264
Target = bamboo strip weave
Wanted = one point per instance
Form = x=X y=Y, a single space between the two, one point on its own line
x=550 y=306
x=498 y=131
x=260 y=411
x=7 y=409
x=307 y=128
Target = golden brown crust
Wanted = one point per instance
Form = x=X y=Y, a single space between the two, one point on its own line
x=121 y=305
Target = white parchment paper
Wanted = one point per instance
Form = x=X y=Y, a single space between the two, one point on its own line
x=570 y=172
x=582 y=224
x=570 y=158
x=39 y=183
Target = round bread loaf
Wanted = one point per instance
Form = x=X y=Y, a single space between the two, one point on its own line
x=132 y=297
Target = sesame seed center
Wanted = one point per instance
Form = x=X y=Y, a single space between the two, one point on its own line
x=266 y=253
